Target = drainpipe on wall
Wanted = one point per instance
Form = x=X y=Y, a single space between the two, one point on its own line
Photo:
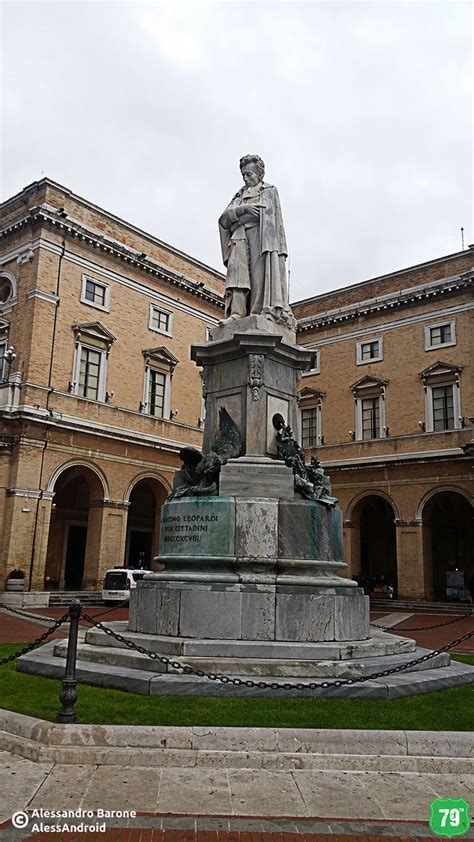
x=50 y=390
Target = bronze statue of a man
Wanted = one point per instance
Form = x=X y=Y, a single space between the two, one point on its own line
x=254 y=248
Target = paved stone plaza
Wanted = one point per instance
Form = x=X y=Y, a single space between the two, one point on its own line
x=313 y=784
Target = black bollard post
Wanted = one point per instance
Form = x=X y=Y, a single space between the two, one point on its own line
x=68 y=695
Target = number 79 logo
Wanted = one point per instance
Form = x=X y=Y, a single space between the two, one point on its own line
x=449 y=816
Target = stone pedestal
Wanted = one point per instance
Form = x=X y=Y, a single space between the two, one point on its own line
x=258 y=562
x=249 y=611
x=254 y=375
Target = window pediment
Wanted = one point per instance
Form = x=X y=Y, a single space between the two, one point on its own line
x=369 y=383
x=161 y=356
x=95 y=331
x=440 y=369
x=307 y=394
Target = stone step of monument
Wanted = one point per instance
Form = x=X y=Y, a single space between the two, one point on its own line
x=379 y=644
x=233 y=748
x=66 y=597
x=42 y=661
x=419 y=605
x=251 y=667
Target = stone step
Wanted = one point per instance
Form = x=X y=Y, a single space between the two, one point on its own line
x=66 y=597
x=444 y=607
x=251 y=667
x=379 y=644
x=42 y=661
x=229 y=748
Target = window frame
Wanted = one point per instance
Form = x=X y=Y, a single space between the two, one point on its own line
x=370 y=388
x=317 y=365
x=145 y=407
x=168 y=313
x=429 y=346
x=359 y=350
x=375 y=425
x=447 y=416
x=8 y=305
x=102 y=379
x=3 y=363
x=317 y=435
x=105 y=307
x=454 y=382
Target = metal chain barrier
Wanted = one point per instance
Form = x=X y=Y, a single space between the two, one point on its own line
x=41 y=617
x=265 y=685
x=422 y=628
x=108 y=610
x=25 y=614
x=59 y=622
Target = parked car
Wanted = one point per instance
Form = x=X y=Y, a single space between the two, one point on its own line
x=118 y=583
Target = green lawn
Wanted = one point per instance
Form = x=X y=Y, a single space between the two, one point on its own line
x=447 y=710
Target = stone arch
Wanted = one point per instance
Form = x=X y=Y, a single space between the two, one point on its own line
x=371 y=544
x=146 y=475
x=429 y=494
x=375 y=493
x=145 y=496
x=80 y=463
x=447 y=518
x=78 y=489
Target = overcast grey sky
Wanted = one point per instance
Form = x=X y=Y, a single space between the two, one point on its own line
x=362 y=112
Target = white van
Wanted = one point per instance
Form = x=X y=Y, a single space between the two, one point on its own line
x=118 y=583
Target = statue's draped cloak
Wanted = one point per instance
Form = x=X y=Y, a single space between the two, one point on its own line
x=254 y=252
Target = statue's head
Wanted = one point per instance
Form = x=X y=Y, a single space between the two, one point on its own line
x=252 y=169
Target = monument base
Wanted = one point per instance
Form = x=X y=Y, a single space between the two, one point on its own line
x=249 y=611
x=287 y=669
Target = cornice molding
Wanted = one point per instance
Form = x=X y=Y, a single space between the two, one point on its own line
x=380 y=328
x=43 y=295
x=35 y=186
x=381 y=460
x=411 y=297
x=59 y=221
x=70 y=422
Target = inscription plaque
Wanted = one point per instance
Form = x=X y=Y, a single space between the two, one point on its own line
x=198 y=526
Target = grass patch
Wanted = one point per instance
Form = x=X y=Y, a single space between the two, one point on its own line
x=446 y=710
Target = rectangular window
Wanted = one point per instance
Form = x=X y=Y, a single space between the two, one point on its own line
x=367 y=352
x=95 y=293
x=156 y=393
x=370 y=350
x=443 y=408
x=89 y=373
x=316 y=367
x=309 y=426
x=439 y=335
x=161 y=320
x=371 y=418
x=3 y=348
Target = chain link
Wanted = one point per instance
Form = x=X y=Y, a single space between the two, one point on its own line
x=25 y=614
x=59 y=622
x=118 y=605
x=422 y=628
x=44 y=619
x=264 y=685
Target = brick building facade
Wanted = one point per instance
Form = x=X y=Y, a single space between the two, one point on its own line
x=388 y=410
x=99 y=394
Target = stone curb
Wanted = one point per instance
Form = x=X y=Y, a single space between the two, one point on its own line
x=277 y=748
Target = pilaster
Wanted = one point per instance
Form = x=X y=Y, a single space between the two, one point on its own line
x=106 y=534
x=412 y=582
